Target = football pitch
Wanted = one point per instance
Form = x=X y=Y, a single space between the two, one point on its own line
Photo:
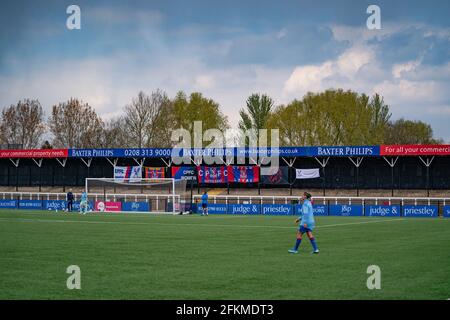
x=138 y=256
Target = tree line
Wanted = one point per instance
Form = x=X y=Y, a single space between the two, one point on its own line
x=332 y=117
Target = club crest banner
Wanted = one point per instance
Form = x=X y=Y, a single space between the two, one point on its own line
x=212 y=174
x=184 y=173
x=278 y=175
x=243 y=174
x=307 y=173
x=154 y=172
x=127 y=174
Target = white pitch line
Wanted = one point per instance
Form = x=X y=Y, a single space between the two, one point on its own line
x=190 y=224
x=361 y=222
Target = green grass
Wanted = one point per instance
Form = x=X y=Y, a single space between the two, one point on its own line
x=219 y=257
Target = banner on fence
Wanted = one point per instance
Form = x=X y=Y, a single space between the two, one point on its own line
x=184 y=173
x=154 y=172
x=277 y=209
x=136 y=206
x=108 y=206
x=127 y=174
x=318 y=209
x=446 y=211
x=30 y=204
x=346 y=210
x=382 y=211
x=8 y=204
x=243 y=174
x=307 y=173
x=422 y=211
x=276 y=175
x=76 y=206
x=212 y=174
x=54 y=204
x=219 y=208
x=244 y=208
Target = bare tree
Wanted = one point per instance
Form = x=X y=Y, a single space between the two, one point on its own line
x=23 y=124
x=75 y=124
x=147 y=120
x=115 y=134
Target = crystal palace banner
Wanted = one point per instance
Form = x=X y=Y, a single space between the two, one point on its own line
x=243 y=174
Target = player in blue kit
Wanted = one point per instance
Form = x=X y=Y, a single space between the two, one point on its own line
x=307 y=224
x=205 y=203
x=83 y=202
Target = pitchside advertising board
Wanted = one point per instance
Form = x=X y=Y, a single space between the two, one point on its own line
x=265 y=209
x=446 y=211
x=136 y=206
x=423 y=211
x=30 y=204
x=8 y=204
x=382 y=210
x=353 y=210
x=318 y=209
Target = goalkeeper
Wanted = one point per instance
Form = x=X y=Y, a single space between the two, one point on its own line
x=306 y=224
x=83 y=202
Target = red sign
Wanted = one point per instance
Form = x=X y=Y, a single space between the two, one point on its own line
x=108 y=206
x=35 y=153
x=415 y=150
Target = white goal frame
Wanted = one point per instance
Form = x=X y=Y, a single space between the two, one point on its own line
x=139 y=180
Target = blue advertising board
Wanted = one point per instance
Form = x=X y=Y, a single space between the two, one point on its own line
x=382 y=211
x=76 y=205
x=277 y=209
x=420 y=211
x=244 y=208
x=446 y=211
x=30 y=204
x=8 y=204
x=318 y=209
x=54 y=204
x=215 y=208
x=136 y=206
x=323 y=151
x=346 y=210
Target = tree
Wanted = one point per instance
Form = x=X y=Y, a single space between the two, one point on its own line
x=75 y=124
x=379 y=122
x=116 y=135
x=197 y=108
x=256 y=114
x=410 y=132
x=332 y=117
x=23 y=124
x=292 y=122
x=147 y=120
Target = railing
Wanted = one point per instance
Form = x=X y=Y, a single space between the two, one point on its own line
x=324 y=200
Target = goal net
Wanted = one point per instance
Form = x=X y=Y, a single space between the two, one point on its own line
x=139 y=195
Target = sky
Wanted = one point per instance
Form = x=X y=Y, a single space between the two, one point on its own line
x=228 y=50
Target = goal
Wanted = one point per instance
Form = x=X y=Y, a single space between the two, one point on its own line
x=161 y=194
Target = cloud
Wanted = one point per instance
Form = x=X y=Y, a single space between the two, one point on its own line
x=332 y=73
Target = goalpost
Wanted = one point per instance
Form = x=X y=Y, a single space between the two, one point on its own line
x=162 y=194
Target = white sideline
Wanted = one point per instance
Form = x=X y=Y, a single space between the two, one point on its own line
x=190 y=224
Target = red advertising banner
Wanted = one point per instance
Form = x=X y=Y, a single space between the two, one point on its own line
x=36 y=153
x=415 y=150
x=108 y=206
